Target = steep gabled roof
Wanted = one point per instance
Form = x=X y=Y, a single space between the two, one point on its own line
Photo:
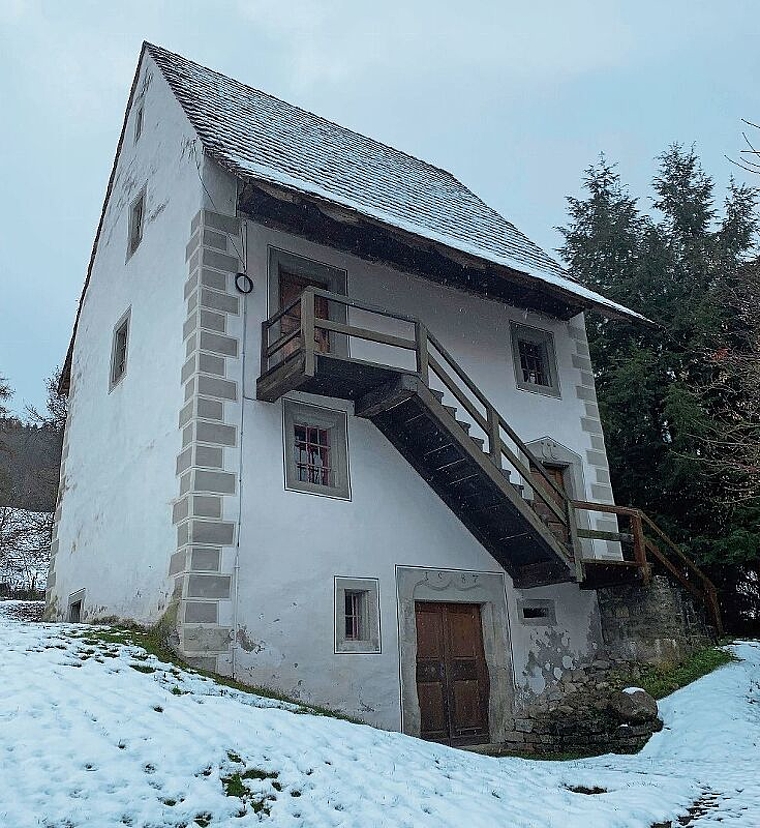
x=259 y=137
x=263 y=139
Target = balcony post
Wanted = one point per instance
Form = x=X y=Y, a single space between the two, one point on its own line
x=639 y=548
x=264 y=346
x=420 y=332
x=308 y=332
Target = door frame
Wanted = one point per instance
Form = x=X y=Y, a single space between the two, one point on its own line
x=457 y=586
x=330 y=277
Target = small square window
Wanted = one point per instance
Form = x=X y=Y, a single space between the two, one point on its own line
x=357 y=619
x=136 y=221
x=534 y=359
x=119 y=351
x=139 y=115
x=315 y=450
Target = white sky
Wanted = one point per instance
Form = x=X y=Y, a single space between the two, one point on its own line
x=516 y=99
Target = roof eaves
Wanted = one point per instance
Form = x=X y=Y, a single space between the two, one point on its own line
x=573 y=291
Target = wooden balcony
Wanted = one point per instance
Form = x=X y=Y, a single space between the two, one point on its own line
x=463 y=448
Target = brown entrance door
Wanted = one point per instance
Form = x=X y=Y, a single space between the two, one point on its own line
x=452 y=677
x=291 y=287
x=557 y=475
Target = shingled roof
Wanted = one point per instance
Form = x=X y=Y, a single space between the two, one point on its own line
x=262 y=139
x=259 y=137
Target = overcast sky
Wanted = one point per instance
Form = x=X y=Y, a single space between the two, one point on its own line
x=515 y=98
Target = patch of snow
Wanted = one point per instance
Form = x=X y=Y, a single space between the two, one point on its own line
x=631 y=690
x=101 y=734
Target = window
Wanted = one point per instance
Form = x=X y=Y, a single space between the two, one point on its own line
x=76 y=606
x=535 y=363
x=355 y=614
x=136 y=220
x=315 y=450
x=119 y=351
x=357 y=619
x=139 y=115
x=537 y=612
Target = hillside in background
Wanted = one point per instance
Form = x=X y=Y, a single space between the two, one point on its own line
x=30 y=460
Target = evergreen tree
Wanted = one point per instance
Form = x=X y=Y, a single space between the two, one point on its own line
x=657 y=395
x=5 y=394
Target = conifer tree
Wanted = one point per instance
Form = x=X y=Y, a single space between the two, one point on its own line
x=658 y=398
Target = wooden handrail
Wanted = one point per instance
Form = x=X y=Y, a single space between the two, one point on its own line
x=488 y=419
x=432 y=357
x=365 y=333
x=644 y=547
x=478 y=394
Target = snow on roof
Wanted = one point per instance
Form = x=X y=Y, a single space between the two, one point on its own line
x=260 y=137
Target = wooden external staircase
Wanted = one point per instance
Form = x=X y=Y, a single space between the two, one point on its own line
x=442 y=423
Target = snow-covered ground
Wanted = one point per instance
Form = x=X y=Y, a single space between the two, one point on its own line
x=101 y=734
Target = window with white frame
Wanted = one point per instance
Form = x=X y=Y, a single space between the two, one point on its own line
x=136 y=223
x=534 y=359
x=316 y=451
x=119 y=351
x=357 y=617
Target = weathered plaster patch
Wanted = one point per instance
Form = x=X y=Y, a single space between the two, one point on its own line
x=247 y=643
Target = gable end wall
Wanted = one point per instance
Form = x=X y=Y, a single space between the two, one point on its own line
x=113 y=530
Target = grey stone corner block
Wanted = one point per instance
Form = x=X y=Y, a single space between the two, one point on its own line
x=213 y=639
x=208 y=586
x=583 y=393
x=220 y=261
x=219 y=221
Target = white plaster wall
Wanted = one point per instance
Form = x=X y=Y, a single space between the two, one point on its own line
x=293 y=544
x=115 y=532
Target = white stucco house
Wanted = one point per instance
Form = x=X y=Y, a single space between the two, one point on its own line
x=329 y=413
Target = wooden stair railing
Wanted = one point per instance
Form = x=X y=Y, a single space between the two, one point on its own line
x=647 y=550
x=432 y=360
x=435 y=366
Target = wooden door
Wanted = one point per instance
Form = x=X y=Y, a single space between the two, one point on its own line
x=452 y=677
x=557 y=475
x=291 y=287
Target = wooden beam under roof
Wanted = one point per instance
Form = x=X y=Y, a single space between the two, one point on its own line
x=322 y=222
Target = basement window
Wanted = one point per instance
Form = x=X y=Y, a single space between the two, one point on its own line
x=315 y=450
x=136 y=222
x=534 y=359
x=76 y=606
x=119 y=351
x=537 y=612
x=357 y=620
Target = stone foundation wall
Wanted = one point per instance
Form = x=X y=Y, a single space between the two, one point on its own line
x=584 y=713
x=659 y=624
